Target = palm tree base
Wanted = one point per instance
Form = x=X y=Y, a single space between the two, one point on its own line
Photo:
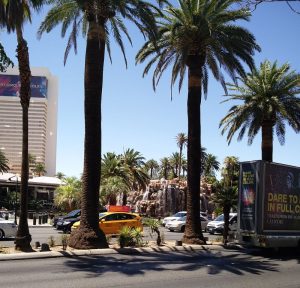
x=193 y=239
x=84 y=238
x=22 y=243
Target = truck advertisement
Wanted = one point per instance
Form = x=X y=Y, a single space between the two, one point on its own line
x=248 y=190
x=281 y=198
x=269 y=205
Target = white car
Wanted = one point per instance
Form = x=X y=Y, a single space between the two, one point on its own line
x=8 y=228
x=217 y=225
x=179 y=224
x=176 y=216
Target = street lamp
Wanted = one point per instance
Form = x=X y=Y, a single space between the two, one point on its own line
x=16 y=197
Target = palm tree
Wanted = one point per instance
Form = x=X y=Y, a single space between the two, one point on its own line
x=211 y=165
x=165 y=167
x=97 y=19
x=152 y=165
x=230 y=171
x=175 y=163
x=67 y=196
x=134 y=162
x=39 y=169
x=3 y=163
x=225 y=198
x=181 y=140
x=60 y=175
x=5 y=61
x=269 y=96
x=14 y=13
x=115 y=178
x=110 y=188
x=198 y=36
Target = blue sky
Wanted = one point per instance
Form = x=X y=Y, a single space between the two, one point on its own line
x=134 y=116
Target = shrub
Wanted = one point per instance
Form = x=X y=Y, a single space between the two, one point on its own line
x=130 y=237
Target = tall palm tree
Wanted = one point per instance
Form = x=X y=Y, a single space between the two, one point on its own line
x=97 y=19
x=270 y=98
x=15 y=14
x=3 y=163
x=181 y=140
x=198 y=36
x=152 y=165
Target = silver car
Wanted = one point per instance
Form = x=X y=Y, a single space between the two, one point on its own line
x=179 y=224
x=8 y=228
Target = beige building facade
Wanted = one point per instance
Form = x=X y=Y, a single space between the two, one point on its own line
x=42 y=119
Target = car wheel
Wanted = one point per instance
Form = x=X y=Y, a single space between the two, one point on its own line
x=211 y=232
x=182 y=229
x=2 y=234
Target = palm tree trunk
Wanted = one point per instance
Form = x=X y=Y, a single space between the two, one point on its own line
x=193 y=233
x=226 y=211
x=89 y=235
x=267 y=141
x=180 y=159
x=23 y=238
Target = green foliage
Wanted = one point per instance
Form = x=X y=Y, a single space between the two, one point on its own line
x=154 y=226
x=130 y=237
x=5 y=61
x=269 y=99
x=200 y=28
x=39 y=168
x=3 y=163
x=67 y=196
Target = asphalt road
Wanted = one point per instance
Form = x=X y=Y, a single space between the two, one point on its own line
x=42 y=234
x=209 y=269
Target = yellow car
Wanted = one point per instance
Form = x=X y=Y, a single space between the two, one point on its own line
x=112 y=222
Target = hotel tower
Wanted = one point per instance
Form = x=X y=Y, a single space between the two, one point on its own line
x=42 y=118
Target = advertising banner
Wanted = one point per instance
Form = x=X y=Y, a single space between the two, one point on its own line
x=247 y=197
x=281 y=198
x=10 y=86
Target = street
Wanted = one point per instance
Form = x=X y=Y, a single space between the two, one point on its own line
x=209 y=269
x=42 y=234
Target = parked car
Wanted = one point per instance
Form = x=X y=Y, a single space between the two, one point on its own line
x=8 y=228
x=66 y=224
x=179 y=224
x=217 y=225
x=176 y=216
x=73 y=214
x=112 y=222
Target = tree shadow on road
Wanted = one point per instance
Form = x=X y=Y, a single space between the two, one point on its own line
x=214 y=262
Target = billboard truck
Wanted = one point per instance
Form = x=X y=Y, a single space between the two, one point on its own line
x=269 y=205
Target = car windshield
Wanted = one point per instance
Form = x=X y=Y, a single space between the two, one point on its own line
x=220 y=218
x=179 y=214
x=73 y=213
x=101 y=215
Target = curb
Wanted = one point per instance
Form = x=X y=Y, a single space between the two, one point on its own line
x=95 y=252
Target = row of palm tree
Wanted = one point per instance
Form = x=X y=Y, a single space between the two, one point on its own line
x=198 y=36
